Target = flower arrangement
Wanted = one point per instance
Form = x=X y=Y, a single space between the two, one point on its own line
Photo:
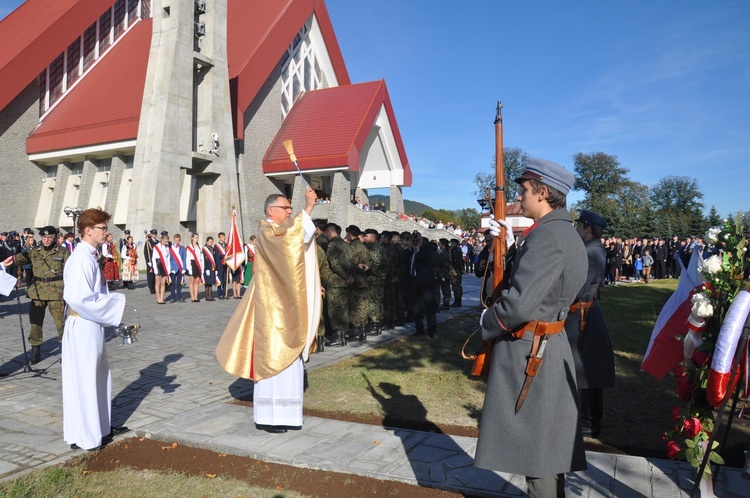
x=722 y=274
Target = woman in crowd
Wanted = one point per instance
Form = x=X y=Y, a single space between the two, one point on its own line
x=129 y=254
x=111 y=262
x=209 y=269
x=194 y=265
x=160 y=263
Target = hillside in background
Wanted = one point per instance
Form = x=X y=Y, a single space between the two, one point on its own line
x=409 y=206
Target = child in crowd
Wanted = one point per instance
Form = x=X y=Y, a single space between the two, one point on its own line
x=638 y=266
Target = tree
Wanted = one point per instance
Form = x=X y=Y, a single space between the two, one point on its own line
x=677 y=201
x=514 y=162
x=467 y=218
x=600 y=177
x=714 y=218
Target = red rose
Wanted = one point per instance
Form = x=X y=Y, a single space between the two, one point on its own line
x=672 y=450
x=700 y=358
x=692 y=427
x=684 y=388
x=676 y=413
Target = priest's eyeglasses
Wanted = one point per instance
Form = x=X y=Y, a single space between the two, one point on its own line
x=287 y=208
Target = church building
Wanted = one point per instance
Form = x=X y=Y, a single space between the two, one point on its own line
x=170 y=114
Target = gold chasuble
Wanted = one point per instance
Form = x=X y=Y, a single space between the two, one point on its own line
x=277 y=319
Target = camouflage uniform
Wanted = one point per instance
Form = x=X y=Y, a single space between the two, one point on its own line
x=358 y=297
x=444 y=275
x=376 y=276
x=46 y=289
x=325 y=279
x=337 y=290
x=391 y=285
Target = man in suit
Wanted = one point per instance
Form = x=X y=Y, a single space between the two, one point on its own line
x=421 y=260
x=534 y=429
x=587 y=331
x=220 y=250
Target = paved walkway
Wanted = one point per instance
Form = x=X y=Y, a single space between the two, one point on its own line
x=168 y=386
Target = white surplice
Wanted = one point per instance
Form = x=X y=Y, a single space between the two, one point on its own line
x=86 y=378
x=278 y=399
x=7 y=281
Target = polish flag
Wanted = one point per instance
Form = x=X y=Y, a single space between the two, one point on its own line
x=235 y=255
x=666 y=348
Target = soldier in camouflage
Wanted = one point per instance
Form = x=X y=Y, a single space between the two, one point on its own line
x=376 y=275
x=337 y=291
x=444 y=272
x=47 y=261
x=391 y=281
x=359 y=257
x=325 y=280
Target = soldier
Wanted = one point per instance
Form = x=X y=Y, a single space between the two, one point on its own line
x=400 y=279
x=444 y=273
x=148 y=252
x=376 y=276
x=587 y=331
x=325 y=279
x=457 y=262
x=358 y=295
x=337 y=291
x=47 y=261
x=391 y=281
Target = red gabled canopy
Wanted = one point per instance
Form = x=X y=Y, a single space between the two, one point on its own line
x=258 y=33
x=35 y=33
x=105 y=106
x=328 y=129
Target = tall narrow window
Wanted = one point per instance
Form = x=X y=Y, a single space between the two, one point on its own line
x=89 y=46
x=105 y=29
x=56 y=70
x=43 y=91
x=132 y=11
x=74 y=61
x=119 y=20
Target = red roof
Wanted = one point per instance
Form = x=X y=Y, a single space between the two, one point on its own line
x=258 y=33
x=105 y=106
x=35 y=33
x=328 y=128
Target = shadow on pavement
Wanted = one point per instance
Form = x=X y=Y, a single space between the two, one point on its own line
x=127 y=401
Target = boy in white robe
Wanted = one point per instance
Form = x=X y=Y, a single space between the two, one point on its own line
x=86 y=378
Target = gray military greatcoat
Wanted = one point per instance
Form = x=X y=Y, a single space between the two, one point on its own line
x=544 y=438
x=592 y=349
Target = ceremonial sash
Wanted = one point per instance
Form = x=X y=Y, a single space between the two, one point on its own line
x=221 y=249
x=176 y=257
x=250 y=253
x=161 y=260
x=210 y=256
x=197 y=262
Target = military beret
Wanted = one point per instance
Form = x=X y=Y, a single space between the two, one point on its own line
x=48 y=230
x=126 y=232
x=69 y=235
x=444 y=241
x=164 y=232
x=372 y=231
x=549 y=173
x=4 y=234
x=153 y=230
x=354 y=230
x=593 y=220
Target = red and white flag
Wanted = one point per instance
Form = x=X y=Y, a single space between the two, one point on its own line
x=235 y=254
x=666 y=348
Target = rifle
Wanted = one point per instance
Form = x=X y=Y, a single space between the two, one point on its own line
x=482 y=358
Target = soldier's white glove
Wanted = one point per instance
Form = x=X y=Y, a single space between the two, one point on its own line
x=495 y=231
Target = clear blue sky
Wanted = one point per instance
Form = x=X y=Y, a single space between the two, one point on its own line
x=663 y=85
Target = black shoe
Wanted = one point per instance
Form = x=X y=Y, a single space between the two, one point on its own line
x=36 y=355
x=432 y=335
x=456 y=305
x=445 y=306
x=116 y=431
x=375 y=329
x=273 y=429
x=361 y=334
x=340 y=340
x=321 y=344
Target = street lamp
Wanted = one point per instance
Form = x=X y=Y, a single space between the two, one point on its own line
x=73 y=213
x=486 y=201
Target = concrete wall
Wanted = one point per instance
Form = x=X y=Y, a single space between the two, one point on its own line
x=21 y=179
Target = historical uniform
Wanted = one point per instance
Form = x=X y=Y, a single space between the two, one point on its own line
x=588 y=334
x=46 y=289
x=542 y=440
x=337 y=290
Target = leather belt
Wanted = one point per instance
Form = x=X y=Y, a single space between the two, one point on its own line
x=582 y=307
x=44 y=280
x=541 y=331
